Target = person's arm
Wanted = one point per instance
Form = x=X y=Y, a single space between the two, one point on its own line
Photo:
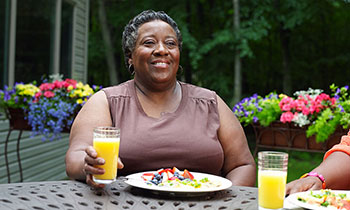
x=81 y=156
x=239 y=164
x=335 y=168
x=336 y=171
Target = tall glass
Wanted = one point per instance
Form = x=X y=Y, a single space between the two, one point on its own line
x=106 y=143
x=272 y=178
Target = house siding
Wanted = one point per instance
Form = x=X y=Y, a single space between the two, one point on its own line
x=80 y=40
x=40 y=160
x=44 y=160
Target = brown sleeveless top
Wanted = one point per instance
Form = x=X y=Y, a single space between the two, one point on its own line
x=186 y=138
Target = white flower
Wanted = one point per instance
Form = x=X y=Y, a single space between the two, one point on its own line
x=300 y=120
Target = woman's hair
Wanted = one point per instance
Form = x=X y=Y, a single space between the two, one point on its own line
x=131 y=29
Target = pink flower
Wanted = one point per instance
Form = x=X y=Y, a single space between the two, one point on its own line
x=58 y=84
x=286 y=104
x=38 y=94
x=47 y=86
x=333 y=101
x=287 y=117
x=49 y=94
x=68 y=82
x=300 y=104
x=305 y=111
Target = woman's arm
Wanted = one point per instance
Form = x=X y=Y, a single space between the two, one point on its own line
x=335 y=168
x=239 y=164
x=336 y=171
x=81 y=156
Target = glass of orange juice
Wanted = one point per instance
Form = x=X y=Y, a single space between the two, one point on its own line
x=272 y=178
x=106 y=143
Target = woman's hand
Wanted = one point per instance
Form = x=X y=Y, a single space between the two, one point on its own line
x=91 y=160
x=304 y=184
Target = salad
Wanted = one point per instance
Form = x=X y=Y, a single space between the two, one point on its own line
x=326 y=198
x=174 y=178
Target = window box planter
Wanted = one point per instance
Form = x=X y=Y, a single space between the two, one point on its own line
x=290 y=137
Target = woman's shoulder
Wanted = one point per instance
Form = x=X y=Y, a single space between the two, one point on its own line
x=199 y=92
x=122 y=89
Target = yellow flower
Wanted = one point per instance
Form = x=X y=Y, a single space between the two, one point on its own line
x=80 y=85
x=80 y=101
x=27 y=90
x=282 y=95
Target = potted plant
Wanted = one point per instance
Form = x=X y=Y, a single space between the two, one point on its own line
x=49 y=108
x=15 y=102
x=310 y=119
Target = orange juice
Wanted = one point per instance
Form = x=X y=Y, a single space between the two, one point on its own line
x=272 y=187
x=108 y=149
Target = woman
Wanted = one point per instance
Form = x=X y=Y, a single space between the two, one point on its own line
x=332 y=173
x=163 y=122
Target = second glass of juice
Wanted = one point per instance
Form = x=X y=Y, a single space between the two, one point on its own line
x=106 y=142
x=272 y=178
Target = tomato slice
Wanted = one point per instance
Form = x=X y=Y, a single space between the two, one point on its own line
x=187 y=175
x=147 y=176
x=175 y=170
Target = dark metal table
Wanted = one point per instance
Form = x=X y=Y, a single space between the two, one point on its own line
x=76 y=195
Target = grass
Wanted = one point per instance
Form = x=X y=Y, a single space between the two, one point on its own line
x=299 y=162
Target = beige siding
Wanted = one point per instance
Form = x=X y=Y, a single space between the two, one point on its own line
x=80 y=40
x=40 y=160
x=44 y=160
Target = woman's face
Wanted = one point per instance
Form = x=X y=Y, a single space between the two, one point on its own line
x=156 y=55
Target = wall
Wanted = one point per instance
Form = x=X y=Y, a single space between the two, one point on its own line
x=41 y=160
x=80 y=40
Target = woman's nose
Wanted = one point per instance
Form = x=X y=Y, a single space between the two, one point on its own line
x=161 y=49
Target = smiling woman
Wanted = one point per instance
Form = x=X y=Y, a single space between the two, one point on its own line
x=164 y=122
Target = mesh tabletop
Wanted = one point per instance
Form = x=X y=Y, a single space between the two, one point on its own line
x=76 y=195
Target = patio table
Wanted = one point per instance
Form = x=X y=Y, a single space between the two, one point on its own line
x=118 y=195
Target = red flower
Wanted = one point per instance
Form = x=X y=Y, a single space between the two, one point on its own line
x=287 y=117
x=68 y=82
x=49 y=94
x=58 y=84
x=47 y=86
x=38 y=94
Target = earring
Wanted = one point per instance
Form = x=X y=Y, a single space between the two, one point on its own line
x=131 y=69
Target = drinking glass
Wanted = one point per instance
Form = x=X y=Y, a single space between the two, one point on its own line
x=106 y=143
x=272 y=177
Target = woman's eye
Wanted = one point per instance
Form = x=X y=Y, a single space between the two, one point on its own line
x=149 y=42
x=171 y=43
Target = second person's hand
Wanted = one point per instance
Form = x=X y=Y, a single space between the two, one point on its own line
x=304 y=184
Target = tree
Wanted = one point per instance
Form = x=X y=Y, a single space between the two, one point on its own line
x=237 y=79
x=109 y=51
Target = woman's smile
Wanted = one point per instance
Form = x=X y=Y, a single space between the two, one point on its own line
x=160 y=64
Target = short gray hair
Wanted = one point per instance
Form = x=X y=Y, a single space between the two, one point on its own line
x=131 y=29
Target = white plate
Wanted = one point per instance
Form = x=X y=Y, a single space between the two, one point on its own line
x=293 y=198
x=136 y=181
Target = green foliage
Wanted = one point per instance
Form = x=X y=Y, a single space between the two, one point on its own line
x=324 y=125
x=256 y=109
x=270 y=111
x=317 y=31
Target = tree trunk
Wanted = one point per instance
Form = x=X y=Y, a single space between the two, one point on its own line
x=188 y=70
x=284 y=39
x=237 y=89
x=112 y=70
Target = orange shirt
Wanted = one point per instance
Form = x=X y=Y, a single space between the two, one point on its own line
x=343 y=146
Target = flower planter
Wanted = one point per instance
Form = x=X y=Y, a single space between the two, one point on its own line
x=17 y=119
x=287 y=136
